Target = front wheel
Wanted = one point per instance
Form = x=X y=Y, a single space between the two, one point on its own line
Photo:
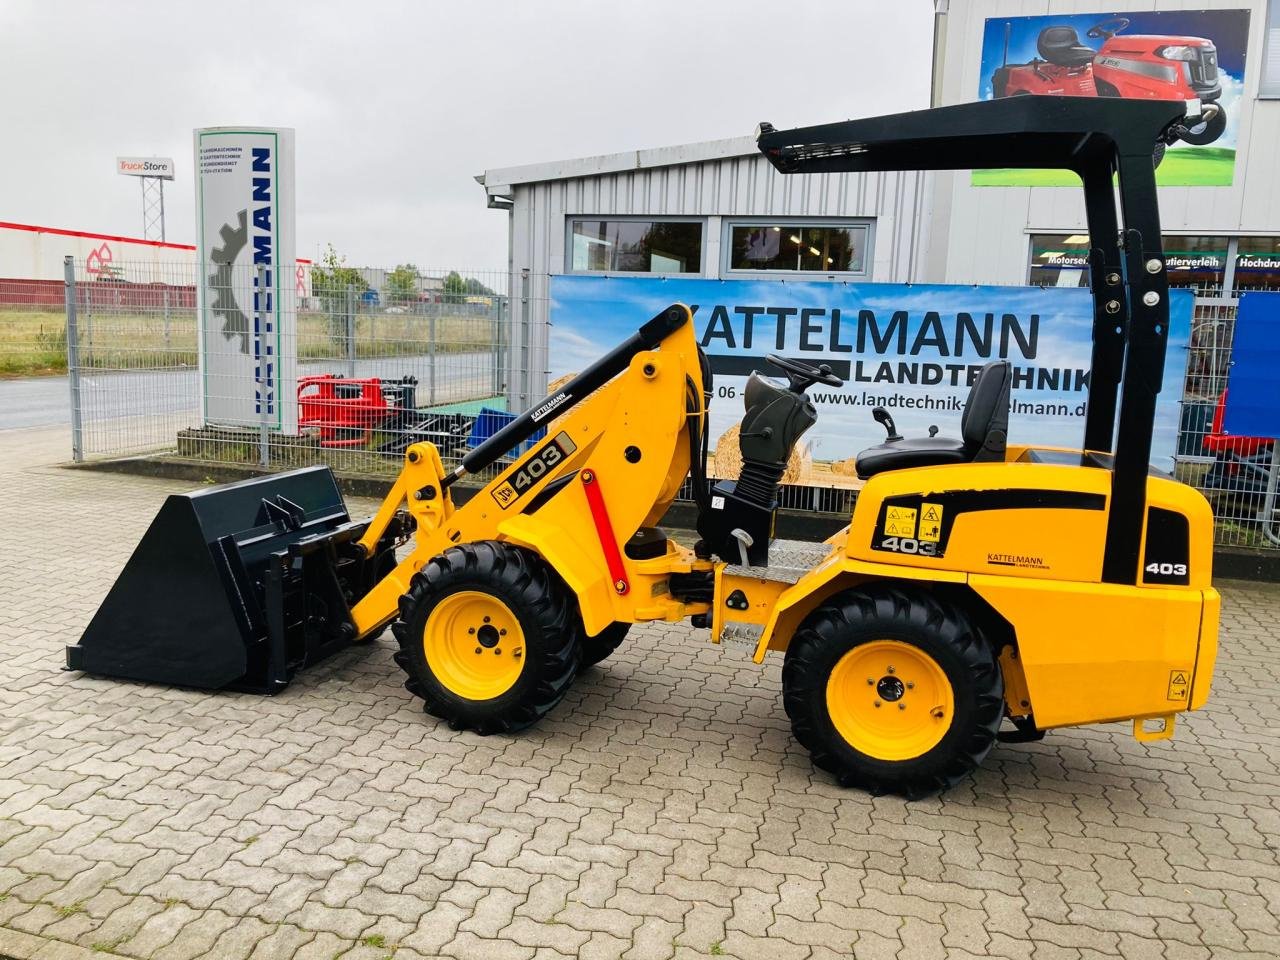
x=893 y=692
x=1205 y=133
x=486 y=636
x=602 y=645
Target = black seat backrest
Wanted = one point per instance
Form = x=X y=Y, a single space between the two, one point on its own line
x=1061 y=46
x=984 y=425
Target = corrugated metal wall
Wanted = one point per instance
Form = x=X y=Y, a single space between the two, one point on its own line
x=716 y=189
x=981 y=232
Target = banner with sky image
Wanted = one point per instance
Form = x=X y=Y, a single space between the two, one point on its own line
x=909 y=348
x=1159 y=55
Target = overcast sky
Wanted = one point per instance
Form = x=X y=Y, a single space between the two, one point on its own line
x=397 y=106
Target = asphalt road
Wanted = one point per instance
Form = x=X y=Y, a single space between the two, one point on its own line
x=46 y=401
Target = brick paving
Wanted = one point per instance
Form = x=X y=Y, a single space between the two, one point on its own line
x=662 y=811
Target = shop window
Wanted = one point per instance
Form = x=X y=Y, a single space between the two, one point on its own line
x=1059 y=260
x=1062 y=260
x=1196 y=262
x=796 y=247
x=1258 y=263
x=635 y=246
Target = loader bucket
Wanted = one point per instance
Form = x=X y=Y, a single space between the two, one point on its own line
x=238 y=585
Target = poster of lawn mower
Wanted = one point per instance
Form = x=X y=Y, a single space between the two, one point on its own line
x=1168 y=55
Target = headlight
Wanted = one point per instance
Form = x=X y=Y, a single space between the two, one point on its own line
x=1179 y=53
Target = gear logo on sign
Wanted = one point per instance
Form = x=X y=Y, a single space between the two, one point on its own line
x=234 y=239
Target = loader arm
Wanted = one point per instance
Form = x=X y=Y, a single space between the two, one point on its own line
x=617 y=449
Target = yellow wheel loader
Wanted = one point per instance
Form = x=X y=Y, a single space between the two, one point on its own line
x=979 y=583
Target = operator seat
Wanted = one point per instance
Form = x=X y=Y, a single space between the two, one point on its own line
x=984 y=428
x=1061 y=46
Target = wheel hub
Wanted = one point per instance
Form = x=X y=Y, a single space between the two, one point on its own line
x=474 y=645
x=890 y=700
x=890 y=688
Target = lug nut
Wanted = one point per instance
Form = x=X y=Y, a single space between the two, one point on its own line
x=901 y=705
x=502 y=633
x=479 y=650
x=870 y=682
x=877 y=704
x=471 y=630
x=890 y=670
x=911 y=685
x=497 y=651
x=486 y=619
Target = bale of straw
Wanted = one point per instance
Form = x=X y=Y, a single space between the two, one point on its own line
x=727 y=461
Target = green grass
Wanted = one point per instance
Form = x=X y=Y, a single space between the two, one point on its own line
x=34 y=342
x=374 y=940
x=1202 y=167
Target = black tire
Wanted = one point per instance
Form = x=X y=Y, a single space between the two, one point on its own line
x=1203 y=134
x=1105 y=89
x=603 y=644
x=539 y=602
x=918 y=619
x=1157 y=155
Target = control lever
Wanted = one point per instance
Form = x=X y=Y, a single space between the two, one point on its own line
x=933 y=430
x=745 y=540
x=882 y=417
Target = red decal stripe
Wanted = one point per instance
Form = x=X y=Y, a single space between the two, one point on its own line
x=604 y=530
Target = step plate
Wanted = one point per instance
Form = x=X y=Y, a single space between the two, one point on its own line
x=789 y=560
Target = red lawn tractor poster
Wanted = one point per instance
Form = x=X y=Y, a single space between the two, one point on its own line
x=1167 y=55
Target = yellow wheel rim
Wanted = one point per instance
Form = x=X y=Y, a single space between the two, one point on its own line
x=890 y=700
x=474 y=645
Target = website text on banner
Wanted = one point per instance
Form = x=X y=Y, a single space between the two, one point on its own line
x=910 y=348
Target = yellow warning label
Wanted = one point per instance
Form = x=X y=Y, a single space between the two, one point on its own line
x=1179 y=680
x=900 y=522
x=930 y=522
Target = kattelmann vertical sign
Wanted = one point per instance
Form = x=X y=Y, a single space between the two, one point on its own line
x=245 y=290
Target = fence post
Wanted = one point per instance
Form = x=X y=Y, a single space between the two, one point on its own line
x=351 y=330
x=495 y=377
x=73 y=359
x=431 y=357
x=167 y=332
x=264 y=415
x=526 y=360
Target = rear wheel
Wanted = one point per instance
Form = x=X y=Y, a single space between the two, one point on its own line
x=486 y=637
x=892 y=691
x=602 y=645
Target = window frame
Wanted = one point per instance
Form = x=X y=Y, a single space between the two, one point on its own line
x=1228 y=268
x=1268 y=86
x=632 y=218
x=834 y=276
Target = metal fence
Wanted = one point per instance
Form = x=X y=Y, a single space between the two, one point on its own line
x=446 y=361
x=375 y=369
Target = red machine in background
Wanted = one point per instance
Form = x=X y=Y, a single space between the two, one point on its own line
x=347 y=411
x=1135 y=66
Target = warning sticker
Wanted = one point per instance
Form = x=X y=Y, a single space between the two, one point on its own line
x=1179 y=681
x=930 y=522
x=900 y=522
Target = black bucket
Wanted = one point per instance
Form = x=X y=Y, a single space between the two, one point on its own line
x=239 y=585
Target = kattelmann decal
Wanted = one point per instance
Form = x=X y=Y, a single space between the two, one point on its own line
x=546 y=408
x=1021 y=560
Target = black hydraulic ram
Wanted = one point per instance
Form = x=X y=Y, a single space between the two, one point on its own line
x=648 y=337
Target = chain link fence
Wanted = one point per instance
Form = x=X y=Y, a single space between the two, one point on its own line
x=382 y=363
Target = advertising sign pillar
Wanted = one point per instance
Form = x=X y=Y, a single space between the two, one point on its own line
x=245 y=293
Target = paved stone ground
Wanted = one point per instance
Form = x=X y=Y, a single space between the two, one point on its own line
x=662 y=811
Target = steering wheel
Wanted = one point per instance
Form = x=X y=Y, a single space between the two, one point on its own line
x=1107 y=28
x=801 y=376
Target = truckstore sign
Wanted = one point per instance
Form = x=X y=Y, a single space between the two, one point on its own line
x=1165 y=55
x=246 y=293
x=910 y=348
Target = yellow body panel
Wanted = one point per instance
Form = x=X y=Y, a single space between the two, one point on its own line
x=1093 y=652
